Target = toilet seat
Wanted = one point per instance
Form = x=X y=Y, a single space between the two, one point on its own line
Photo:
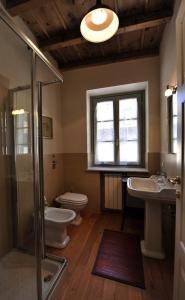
x=74 y=201
x=68 y=197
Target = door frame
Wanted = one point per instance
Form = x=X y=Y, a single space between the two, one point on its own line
x=180 y=38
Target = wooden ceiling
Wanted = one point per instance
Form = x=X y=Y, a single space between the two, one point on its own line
x=56 y=24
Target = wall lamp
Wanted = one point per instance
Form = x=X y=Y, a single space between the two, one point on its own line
x=170 y=90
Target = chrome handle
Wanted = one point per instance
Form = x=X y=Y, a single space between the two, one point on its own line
x=174 y=180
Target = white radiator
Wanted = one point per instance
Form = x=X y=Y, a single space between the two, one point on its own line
x=113 y=191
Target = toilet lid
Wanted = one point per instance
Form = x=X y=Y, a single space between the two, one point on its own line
x=77 y=198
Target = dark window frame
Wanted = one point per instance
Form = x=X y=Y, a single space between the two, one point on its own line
x=140 y=95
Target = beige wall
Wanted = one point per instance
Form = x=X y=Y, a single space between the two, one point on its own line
x=52 y=107
x=78 y=180
x=168 y=75
x=76 y=83
x=52 y=148
x=53 y=176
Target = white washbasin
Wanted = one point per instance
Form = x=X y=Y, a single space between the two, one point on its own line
x=150 y=189
x=154 y=190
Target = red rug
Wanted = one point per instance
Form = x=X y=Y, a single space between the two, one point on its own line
x=119 y=258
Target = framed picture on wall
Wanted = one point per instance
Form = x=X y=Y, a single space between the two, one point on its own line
x=47 y=127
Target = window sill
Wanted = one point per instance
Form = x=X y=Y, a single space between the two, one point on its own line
x=117 y=169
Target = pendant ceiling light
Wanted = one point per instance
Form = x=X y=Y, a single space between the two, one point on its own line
x=99 y=24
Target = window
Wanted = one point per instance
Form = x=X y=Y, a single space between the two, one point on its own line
x=117 y=125
x=172 y=120
x=22 y=133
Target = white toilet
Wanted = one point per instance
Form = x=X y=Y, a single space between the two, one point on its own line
x=56 y=222
x=76 y=202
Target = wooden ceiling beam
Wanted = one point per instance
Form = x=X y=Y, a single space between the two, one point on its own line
x=130 y=55
x=20 y=7
x=127 y=24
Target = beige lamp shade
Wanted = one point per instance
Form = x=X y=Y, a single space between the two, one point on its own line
x=99 y=25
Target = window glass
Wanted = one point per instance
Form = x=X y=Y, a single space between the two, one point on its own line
x=128 y=130
x=128 y=108
x=105 y=111
x=105 y=152
x=128 y=152
x=104 y=132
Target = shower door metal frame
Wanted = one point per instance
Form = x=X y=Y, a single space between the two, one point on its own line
x=36 y=141
x=36 y=172
x=40 y=85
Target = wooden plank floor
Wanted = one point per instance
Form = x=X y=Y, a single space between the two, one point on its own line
x=79 y=284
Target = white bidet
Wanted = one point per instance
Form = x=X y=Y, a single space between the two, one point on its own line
x=56 y=222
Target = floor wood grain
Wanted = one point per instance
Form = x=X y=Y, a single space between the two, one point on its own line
x=80 y=284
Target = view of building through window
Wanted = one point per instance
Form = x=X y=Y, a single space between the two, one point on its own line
x=105 y=132
x=128 y=130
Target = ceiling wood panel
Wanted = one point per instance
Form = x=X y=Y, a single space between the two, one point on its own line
x=129 y=55
x=127 y=24
x=56 y=25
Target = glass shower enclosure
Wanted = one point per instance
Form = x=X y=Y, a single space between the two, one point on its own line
x=26 y=272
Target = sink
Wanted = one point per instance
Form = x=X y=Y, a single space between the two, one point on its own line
x=151 y=189
x=154 y=190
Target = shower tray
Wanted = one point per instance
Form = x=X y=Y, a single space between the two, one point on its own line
x=18 y=275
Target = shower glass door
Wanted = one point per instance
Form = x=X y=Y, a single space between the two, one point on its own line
x=26 y=272
x=18 y=264
x=23 y=167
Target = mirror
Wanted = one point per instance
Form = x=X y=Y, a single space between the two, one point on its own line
x=172 y=124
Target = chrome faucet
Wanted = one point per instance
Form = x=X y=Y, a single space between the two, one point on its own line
x=174 y=180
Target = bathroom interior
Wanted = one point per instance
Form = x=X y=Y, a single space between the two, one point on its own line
x=90 y=149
